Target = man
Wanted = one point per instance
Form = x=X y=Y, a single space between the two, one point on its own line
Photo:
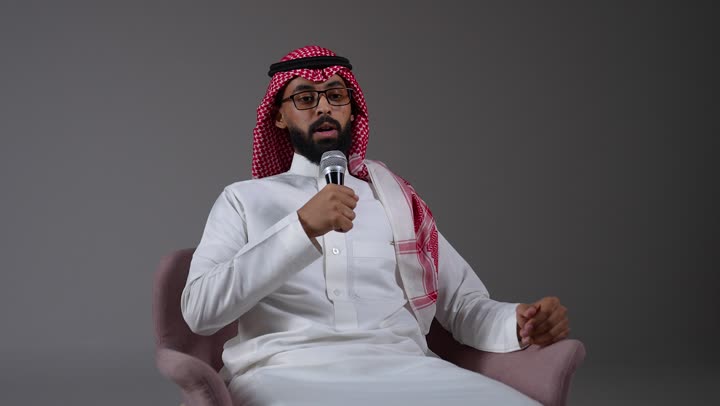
x=335 y=287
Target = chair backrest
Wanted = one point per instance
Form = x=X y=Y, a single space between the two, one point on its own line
x=171 y=331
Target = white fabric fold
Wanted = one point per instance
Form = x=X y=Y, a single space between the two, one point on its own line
x=302 y=302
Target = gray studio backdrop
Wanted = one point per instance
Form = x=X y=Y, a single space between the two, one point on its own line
x=564 y=148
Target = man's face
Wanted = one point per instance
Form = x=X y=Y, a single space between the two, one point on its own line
x=316 y=130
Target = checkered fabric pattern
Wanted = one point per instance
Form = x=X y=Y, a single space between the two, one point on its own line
x=272 y=150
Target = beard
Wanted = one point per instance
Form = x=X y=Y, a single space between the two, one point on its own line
x=304 y=144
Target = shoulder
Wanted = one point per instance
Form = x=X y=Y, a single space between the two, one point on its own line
x=255 y=186
x=377 y=166
x=379 y=172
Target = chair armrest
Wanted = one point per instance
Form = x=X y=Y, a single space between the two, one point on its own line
x=201 y=385
x=543 y=373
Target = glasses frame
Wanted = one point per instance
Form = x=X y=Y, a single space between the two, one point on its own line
x=320 y=93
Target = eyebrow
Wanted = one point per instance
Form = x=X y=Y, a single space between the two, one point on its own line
x=328 y=85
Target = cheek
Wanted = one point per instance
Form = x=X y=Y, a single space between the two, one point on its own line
x=295 y=120
x=346 y=116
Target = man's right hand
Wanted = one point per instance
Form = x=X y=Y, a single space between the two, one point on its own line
x=330 y=209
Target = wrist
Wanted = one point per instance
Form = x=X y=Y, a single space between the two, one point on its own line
x=305 y=226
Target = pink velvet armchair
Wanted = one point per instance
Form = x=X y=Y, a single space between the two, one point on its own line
x=193 y=361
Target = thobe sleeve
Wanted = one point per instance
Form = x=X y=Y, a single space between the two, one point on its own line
x=229 y=275
x=465 y=309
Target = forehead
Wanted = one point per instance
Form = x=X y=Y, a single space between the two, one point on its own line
x=300 y=83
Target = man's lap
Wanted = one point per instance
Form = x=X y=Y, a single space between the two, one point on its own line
x=390 y=381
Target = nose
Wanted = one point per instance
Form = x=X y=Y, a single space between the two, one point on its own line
x=323 y=106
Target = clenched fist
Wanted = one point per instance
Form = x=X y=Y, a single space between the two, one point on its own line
x=330 y=209
x=543 y=322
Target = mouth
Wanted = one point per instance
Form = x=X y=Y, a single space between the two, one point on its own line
x=326 y=131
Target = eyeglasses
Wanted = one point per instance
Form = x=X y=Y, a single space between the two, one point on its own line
x=339 y=96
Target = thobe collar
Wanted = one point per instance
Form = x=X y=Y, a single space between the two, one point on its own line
x=302 y=166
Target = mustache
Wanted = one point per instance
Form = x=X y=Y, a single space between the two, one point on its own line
x=322 y=120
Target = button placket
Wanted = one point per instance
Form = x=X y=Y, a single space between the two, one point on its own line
x=335 y=264
x=336 y=280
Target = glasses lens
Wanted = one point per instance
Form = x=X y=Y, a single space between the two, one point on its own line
x=338 y=97
x=309 y=99
x=305 y=100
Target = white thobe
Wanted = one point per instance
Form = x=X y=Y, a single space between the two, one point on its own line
x=326 y=320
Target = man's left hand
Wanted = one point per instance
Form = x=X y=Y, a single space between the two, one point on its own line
x=543 y=322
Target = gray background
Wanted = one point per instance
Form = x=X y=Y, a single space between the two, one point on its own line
x=565 y=148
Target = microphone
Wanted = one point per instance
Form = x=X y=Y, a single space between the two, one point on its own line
x=333 y=165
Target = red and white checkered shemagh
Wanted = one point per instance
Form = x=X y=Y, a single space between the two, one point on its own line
x=272 y=149
x=273 y=153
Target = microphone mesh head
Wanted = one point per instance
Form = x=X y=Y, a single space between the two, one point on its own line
x=333 y=158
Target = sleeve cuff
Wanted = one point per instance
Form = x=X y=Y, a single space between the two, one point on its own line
x=296 y=239
x=288 y=236
x=293 y=217
x=511 y=337
x=512 y=325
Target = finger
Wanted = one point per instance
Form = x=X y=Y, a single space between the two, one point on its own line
x=539 y=318
x=546 y=307
x=543 y=340
x=519 y=312
x=346 y=191
x=556 y=318
x=547 y=339
x=525 y=324
x=332 y=187
x=527 y=329
x=348 y=213
x=346 y=200
x=526 y=341
x=524 y=312
x=342 y=224
x=339 y=190
x=550 y=336
x=530 y=311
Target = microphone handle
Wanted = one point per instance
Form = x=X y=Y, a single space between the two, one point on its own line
x=335 y=177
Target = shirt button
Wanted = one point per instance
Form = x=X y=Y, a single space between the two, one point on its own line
x=337 y=292
x=335 y=251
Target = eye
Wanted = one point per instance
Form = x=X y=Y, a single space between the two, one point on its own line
x=337 y=94
x=305 y=98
